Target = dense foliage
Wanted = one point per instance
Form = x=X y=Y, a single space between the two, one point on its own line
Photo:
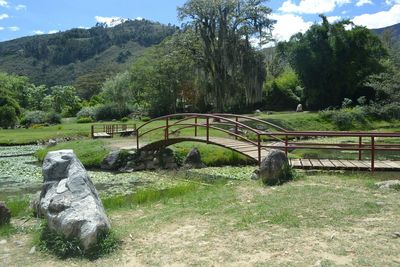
x=232 y=71
x=333 y=63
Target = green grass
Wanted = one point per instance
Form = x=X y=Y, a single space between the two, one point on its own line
x=90 y=152
x=7 y=230
x=212 y=155
x=67 y=247
x=149 y=195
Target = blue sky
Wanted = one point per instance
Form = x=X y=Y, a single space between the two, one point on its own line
x=28 y=17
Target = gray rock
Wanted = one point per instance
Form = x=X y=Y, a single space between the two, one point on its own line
x=3 y=242
x=299 y=108
x=33 y=250
x=391 y=184
x=69 y=201
x=274 y=168
x=110 y=161
x=5 y=214
x=193 y=159
x=396 y=235
x=51 y=143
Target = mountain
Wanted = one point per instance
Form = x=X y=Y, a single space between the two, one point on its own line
x=81 y=57
x=394 y=31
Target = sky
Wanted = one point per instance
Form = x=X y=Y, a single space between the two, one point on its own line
x=20 y=18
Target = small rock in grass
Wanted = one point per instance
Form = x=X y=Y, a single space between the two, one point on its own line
x=396 y=235
x=3 y=242
x=391 y=184
x=33 y=250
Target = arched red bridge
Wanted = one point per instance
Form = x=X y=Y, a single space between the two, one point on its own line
x=254 y=137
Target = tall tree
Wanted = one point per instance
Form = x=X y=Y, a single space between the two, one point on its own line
x=233 y=70
x=333 y=62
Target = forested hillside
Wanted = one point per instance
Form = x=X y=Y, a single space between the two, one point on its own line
x=82 y=57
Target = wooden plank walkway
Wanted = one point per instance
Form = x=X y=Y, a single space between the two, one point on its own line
x=361 y=165
x=109 y=135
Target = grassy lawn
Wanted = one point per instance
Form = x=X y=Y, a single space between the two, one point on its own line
x=333 y=218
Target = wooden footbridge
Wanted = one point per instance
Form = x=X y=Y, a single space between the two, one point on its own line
x=254 y=138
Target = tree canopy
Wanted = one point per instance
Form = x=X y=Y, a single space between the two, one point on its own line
x=333 y=62
x=233 y=71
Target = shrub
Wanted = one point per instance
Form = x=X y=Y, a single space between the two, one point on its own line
x=84 y=120
x=34 y=117
x=345 y=119
x=8 y=117
x=111 y=112
x=145 y=119
x=390 y=111
x=87 y=112
x=124 y=119
x=40 y=117
x=53 y=118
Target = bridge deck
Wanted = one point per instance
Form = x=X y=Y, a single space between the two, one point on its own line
x=330 y=164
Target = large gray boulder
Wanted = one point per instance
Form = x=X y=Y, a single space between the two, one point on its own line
x=274 y=168
x=69 y=201
x=193 y=159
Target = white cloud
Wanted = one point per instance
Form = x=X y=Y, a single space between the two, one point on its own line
x=4 y=16
x=312 y=6
x=38 y=32
x=392 y=2
x=380 y=19
x=1 y=28
x=14 y=28
x=53 y=31
x=364 y=2
x=110 y=21
x=333 y=19
x=287 y=25
x=20 y=7
x=3 y=3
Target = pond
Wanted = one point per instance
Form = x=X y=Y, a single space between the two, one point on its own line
x=22 y=175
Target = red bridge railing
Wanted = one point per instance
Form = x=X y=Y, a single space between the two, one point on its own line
x=242 y=129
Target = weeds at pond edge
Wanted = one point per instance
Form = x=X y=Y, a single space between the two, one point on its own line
x=63 y=247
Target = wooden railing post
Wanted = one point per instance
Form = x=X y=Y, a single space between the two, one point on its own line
x=286 y=145
x=166 y=128
x=195 y=127
x=137 y=139
x=359 y=148
x=259 y=148
x=372 y=153
x=236 y=126
x=208 y=129
x=92 y=131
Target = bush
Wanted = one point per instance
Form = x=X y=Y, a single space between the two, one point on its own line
x=390 y=111
x=112 y=112
x=53 y=118
x=145 y=119
x=87 y=112
x=345 y=119
x=84 y=120
x=40 y=117
x=125 y=119
x=8 y=117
